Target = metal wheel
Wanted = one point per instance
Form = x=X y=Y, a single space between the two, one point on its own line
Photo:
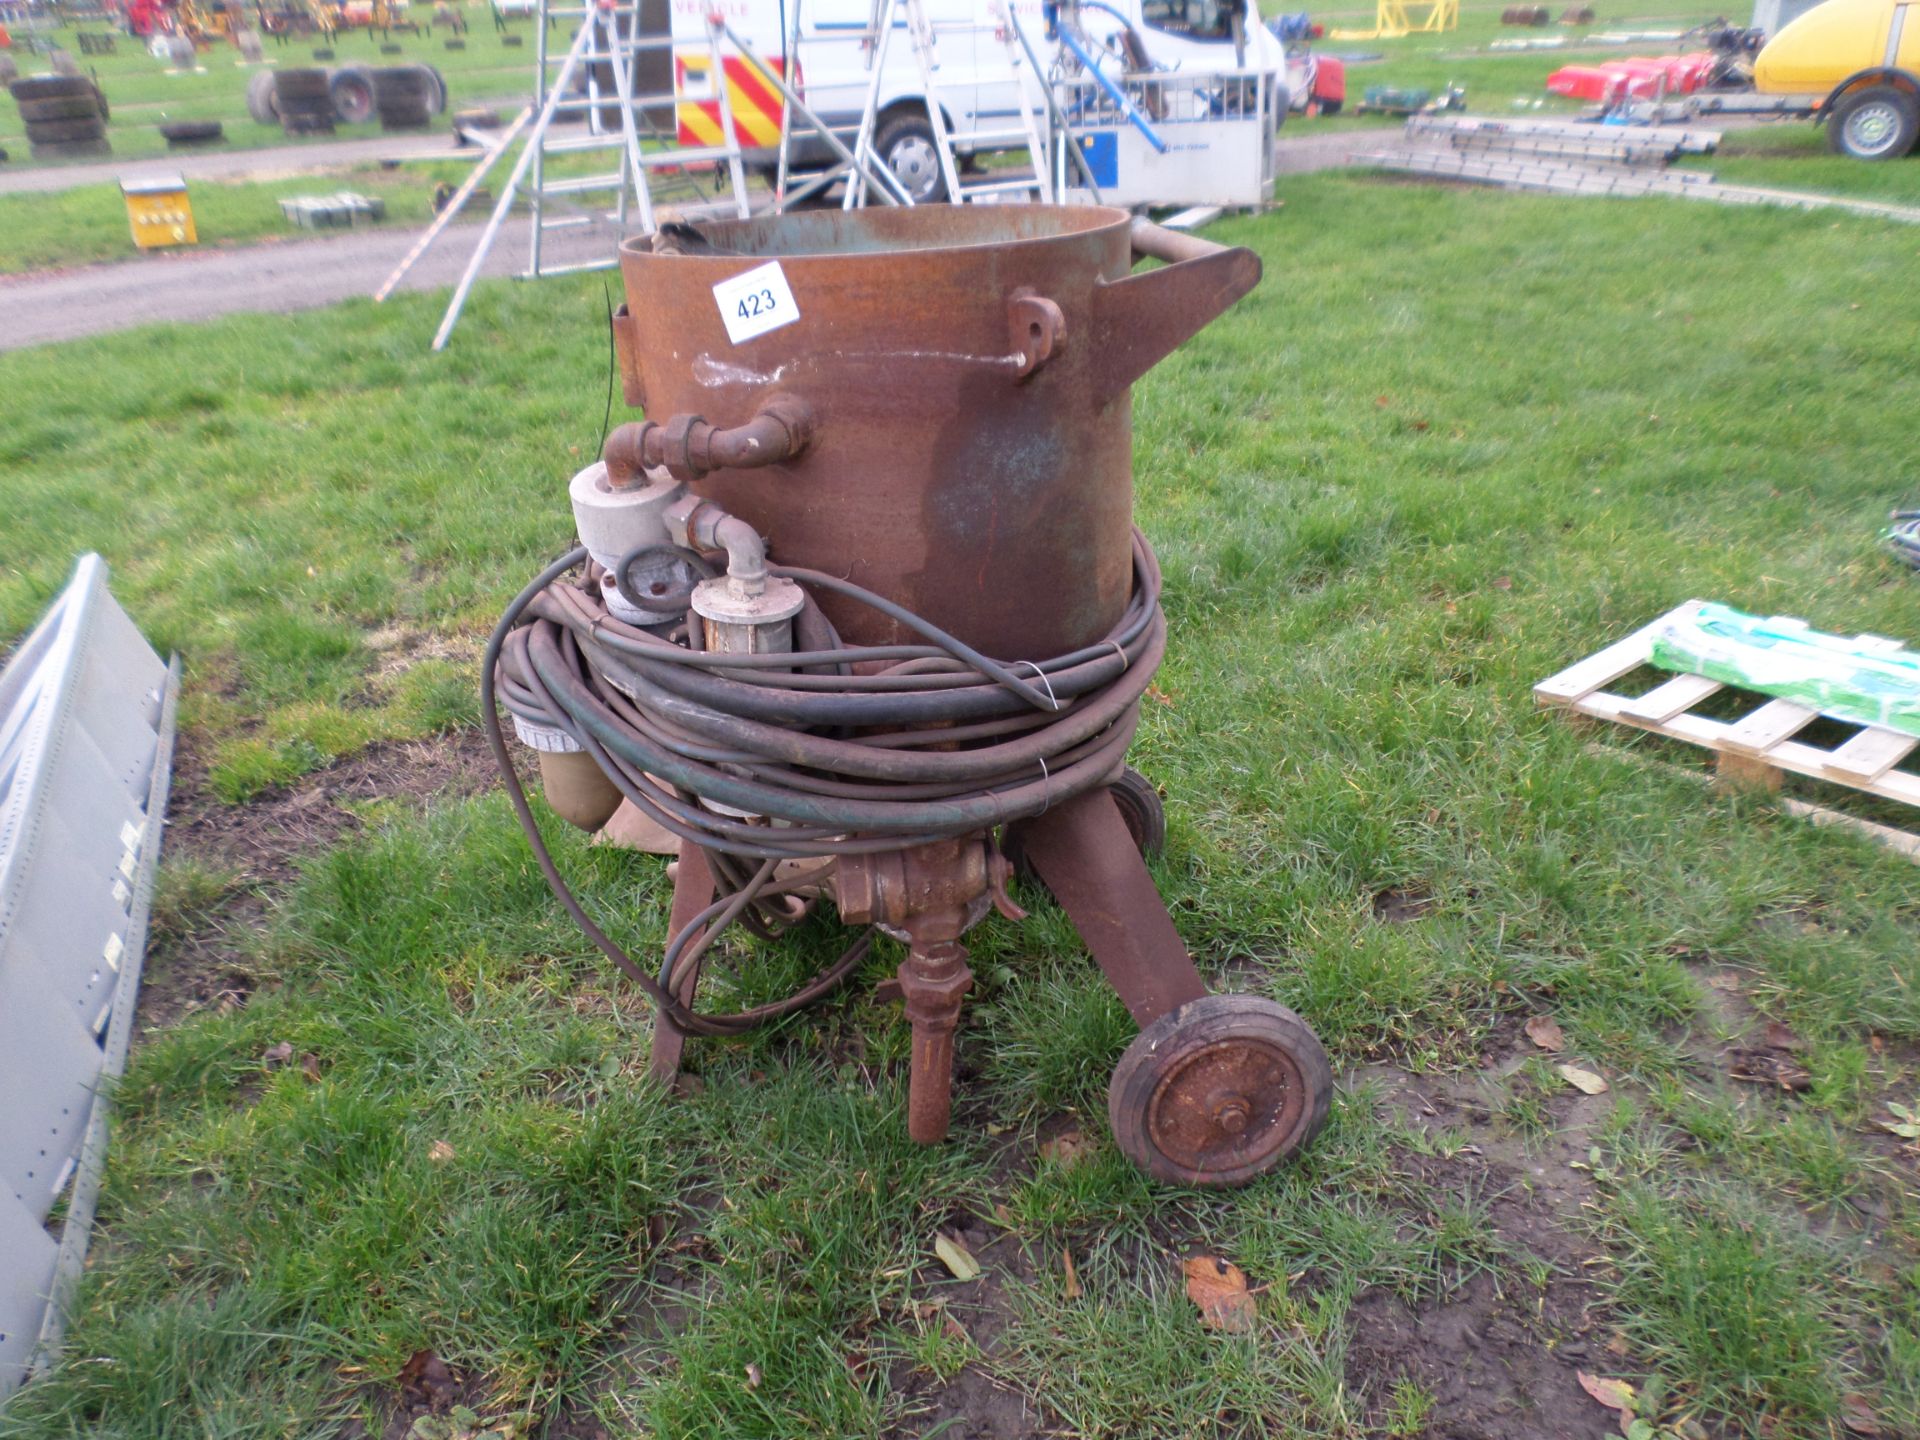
x=1878 y=123
x=1142 y=809
x=1140 y=806
x=906 y=146
x=1219 y=1091
x=351 y=90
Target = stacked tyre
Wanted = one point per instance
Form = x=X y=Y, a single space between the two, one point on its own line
x=351 y=88
x=65 y=116
x=403 y=96
x=261 y=104
x=304 y=101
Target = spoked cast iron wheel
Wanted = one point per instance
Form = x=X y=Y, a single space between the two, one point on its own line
x=1219 y=1091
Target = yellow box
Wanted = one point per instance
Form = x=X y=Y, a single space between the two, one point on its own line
x=159 y=211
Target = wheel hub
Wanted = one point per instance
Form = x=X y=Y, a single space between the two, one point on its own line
x=1225 y=1105
x=918 y=168
x=1219 y=1090
x=1872 y=127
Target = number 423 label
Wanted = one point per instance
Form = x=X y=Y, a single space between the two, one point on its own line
x=755 y=302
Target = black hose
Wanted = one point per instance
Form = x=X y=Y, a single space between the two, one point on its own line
x=682 y=1015
x=833 y=749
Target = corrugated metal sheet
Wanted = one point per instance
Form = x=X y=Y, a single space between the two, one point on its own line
x=86 y=747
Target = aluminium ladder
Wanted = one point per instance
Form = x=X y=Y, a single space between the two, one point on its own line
x=888 y=15
x=599 y=72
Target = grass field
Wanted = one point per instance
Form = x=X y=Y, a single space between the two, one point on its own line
x=88 y=224
x=1455 y=440
x=143 y=91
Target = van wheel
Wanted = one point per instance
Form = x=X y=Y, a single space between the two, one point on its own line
x=1877 y=123
x=907 y=146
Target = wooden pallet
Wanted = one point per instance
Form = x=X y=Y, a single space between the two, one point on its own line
x=1759 y=748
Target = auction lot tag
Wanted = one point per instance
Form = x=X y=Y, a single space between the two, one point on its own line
x=755 y=302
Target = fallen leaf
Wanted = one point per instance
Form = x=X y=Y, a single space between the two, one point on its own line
x=1782 y=1038
x=279 y=1055
x=1503 y=582
x=1067 y=1149
x=310 y=1066
x=440 y=1152
x=426 y=1380
x=1544 y=1032
x=1616 y=1395
x=1617 y=1344
x=955 y=1256
x=753 y=1377
x=1219 y=1289
x=1584 y=1080
x=955 y=1330
x=1002 y=1214
x=1856 y=1413
x=1073 y=1280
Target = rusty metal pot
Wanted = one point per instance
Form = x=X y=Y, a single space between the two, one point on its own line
x=965 y=372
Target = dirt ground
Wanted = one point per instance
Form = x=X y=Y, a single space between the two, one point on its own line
x=260 y=844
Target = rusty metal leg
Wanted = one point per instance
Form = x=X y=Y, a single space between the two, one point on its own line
x=933 y=979
x=692 y=893
x=1084 y=852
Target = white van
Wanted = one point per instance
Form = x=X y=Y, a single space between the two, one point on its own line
x=975 y=85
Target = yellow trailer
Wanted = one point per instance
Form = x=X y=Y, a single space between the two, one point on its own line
x=1855 y=64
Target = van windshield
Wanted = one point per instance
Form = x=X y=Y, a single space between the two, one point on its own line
x=1195 y=19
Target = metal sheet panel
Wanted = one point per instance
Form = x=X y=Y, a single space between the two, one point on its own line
x=86 y=725
x=29 y=1253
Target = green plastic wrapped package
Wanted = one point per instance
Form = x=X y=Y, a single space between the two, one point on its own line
x=1837 y=675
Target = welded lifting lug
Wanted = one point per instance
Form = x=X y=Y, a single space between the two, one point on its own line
x=1037 y=328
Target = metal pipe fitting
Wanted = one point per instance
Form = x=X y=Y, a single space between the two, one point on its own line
x=687 y=447
x=702 y=525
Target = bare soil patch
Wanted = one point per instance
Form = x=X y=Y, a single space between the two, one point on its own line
x=260 y=845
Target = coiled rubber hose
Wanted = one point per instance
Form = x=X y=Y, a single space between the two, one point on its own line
x=834 y=749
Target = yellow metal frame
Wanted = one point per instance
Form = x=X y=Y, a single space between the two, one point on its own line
x=1394 y=20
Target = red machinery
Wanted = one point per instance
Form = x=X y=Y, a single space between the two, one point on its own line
x=1641 y=78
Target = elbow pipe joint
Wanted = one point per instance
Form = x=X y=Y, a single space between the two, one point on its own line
x=701 y=525
x=688 y=447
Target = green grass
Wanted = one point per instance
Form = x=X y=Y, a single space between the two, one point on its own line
x=1455 y=440
x=88 y=224
x=143 y=91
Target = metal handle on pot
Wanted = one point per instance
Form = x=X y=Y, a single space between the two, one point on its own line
x=1156 y=242
x=1142 y=318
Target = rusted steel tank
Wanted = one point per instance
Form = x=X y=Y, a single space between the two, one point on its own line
x=964 y=376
